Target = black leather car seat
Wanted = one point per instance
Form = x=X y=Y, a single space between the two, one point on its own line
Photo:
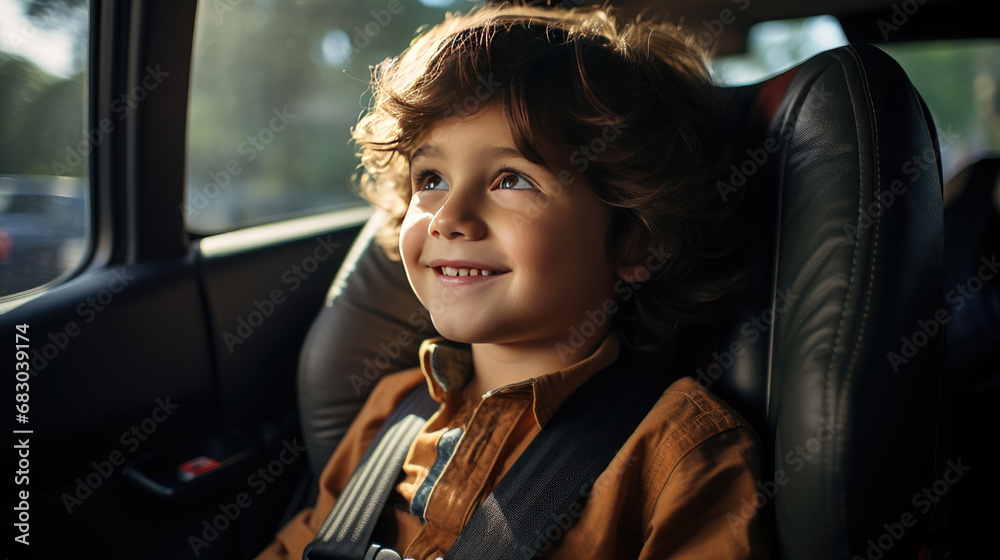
x=844 y=258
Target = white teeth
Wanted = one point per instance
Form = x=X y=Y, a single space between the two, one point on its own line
x=449 y=271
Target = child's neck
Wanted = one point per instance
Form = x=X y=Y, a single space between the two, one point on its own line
x=496 y=365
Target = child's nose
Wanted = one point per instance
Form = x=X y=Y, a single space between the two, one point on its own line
x=460 y=217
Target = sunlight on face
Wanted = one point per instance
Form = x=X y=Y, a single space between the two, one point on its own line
x=496 y=247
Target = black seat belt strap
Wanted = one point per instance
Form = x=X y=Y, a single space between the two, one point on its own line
x=418 y=401
x=543 y=488
x=347 y=530
x=556 y=472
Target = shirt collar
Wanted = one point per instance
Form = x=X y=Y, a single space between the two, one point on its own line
x=447 y=367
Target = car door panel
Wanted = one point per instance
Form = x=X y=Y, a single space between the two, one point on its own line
x=261 y=303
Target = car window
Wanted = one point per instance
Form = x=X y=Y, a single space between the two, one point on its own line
x=959 y=82
x=958 y=79
x=775 y=46
x=276 y=86
x=45 y=142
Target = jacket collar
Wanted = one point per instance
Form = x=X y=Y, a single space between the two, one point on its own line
x=447 y=366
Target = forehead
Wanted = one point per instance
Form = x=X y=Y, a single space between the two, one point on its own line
x=490 y=133
x=487 y=131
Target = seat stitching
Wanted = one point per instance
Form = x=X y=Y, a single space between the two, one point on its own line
x=837 y=340
x=871 y=274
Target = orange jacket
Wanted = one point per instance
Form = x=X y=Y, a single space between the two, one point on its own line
x=682 y=486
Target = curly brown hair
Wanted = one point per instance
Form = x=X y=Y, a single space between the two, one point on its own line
x=564 y=78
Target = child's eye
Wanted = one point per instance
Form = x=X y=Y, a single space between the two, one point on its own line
x=514 y=181
x=430 y=181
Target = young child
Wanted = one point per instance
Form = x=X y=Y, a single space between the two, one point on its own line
x=545 y=169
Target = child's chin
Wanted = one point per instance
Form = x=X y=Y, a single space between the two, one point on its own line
x=457 y=333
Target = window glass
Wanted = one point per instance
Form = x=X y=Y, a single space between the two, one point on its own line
x=276 y=86
x=959 y=82
x=775 y=46
x=44 y=141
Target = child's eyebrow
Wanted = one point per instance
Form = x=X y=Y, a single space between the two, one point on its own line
x=425 y=151
x=429 y=150
x=501 y=151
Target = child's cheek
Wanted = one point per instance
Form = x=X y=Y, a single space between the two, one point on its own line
x=416 y=214
x=411 y=233
x=523 y=207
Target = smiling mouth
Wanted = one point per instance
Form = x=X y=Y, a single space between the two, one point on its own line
x=456 y=272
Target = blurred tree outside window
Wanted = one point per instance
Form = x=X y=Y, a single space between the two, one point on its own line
x=276 y=87
x=959 y=82
x=957 y=79
x=44 y=141
x=775 y=46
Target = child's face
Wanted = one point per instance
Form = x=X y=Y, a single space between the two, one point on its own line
x=496 y=248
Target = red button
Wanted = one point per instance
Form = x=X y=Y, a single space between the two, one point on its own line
x=197 y=466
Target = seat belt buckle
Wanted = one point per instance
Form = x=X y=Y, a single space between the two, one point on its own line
x=378 y=552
